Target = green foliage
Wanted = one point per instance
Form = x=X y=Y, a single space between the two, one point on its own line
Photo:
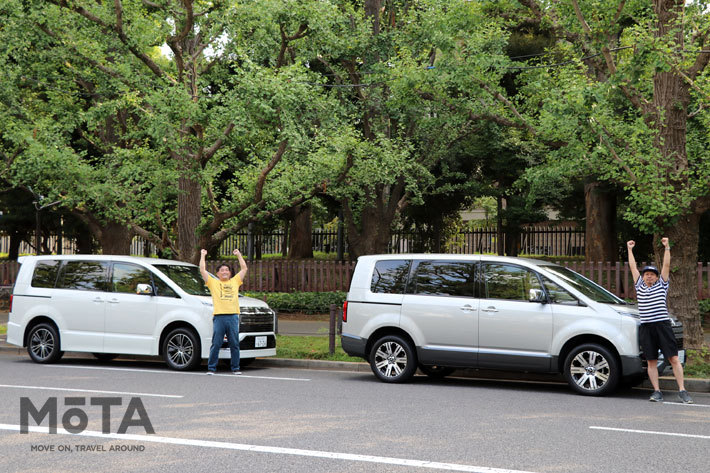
x=305 y=302
x=698 y=363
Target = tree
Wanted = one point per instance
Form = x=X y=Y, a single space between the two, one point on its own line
x=633 y=108
x=233 y=129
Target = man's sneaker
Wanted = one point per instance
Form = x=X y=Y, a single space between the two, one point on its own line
x=237 y=372
x=657 y=396
x=210 y=373
x=685 y=397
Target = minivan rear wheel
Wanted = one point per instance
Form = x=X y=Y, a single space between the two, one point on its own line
x=393 y=359
x=592 y=370
x=43 y=344
x=181 y=350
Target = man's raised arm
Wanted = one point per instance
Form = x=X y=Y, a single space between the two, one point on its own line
x=632 y=261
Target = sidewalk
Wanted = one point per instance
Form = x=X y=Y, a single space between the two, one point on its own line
x=310 y=327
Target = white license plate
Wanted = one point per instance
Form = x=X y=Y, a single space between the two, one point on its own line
x=681 y=356
x=260 y=342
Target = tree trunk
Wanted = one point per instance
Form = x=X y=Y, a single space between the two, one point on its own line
x=512 y=241
x=371 y=237
x=301 y=232
x=671 y=97
x=500 y=247
x=84 y=243
x=115 y=239
x=15 y=242
x=683 y=297
x=600 y=232
x=189 y=212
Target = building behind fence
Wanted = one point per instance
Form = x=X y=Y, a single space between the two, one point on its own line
x=551 y=241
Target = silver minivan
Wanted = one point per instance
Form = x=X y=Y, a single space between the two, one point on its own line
x=113 y=305
x=440 y=312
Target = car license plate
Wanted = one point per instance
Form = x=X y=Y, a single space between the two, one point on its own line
x=681 y=356
x=260 y=342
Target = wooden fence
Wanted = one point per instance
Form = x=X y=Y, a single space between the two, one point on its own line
x=294 y=275
x=319 y=276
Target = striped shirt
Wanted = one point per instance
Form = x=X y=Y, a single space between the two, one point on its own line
x=652 y=301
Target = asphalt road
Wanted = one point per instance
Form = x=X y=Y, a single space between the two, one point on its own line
x=294 y=420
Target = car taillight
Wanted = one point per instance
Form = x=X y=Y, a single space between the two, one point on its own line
x=10 y=303
x=345 y=311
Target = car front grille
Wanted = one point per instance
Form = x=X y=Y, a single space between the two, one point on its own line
x=256 y=319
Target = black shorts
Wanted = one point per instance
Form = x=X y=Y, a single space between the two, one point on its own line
x=656 y=336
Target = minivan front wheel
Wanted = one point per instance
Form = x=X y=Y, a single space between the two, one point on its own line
x=592 y=370
x=393 y=359
x=181 y=350
x=43 y=344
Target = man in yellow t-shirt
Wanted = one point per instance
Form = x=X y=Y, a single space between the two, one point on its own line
x=225 y=303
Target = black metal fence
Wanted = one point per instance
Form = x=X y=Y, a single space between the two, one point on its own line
x=549 y=240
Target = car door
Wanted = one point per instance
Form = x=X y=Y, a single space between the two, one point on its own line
x=440 y=304
x=130 y=317
x=80 y=298
x=513 y=332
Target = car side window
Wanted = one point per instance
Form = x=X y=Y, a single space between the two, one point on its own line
x=444 y=278
x=509 y=282
x=45 y=274
x=390 y=276
x=84 y=275
x=126 y=277
x=162 y=288
x=558 y=294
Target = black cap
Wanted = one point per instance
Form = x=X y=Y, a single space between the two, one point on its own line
x=653 y=269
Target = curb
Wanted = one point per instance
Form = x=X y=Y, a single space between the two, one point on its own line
x=667 y=383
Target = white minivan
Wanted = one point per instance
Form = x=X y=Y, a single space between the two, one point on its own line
x=440 y=312
x=114 y=305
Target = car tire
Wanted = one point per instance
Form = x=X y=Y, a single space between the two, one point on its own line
x=105 y=356
x=181 y=350
x=43 y=343
x=436 y=371
x=393 y=359
x=592 y=370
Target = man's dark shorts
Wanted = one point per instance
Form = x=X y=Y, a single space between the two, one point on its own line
x=658 y=336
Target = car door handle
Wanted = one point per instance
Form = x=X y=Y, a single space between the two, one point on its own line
x=113 y=301
x=467 y=308
x=489 y=309
x=98 y=299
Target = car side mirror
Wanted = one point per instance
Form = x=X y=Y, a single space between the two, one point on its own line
x=146 y=289
x=536 y=295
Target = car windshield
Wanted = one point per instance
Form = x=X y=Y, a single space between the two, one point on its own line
x=584 y=285
x=187 y=277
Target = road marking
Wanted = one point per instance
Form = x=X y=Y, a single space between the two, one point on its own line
x=686 y=405
x=172 y=372
x=652 y=432
x=43 y=388
x=276 y=450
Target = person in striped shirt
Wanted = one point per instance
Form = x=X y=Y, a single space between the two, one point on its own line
x=655 y=332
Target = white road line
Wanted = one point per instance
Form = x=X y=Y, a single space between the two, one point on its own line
x=276 y=450
x=686 y=405
x=44 y=388
x=137 y=370
x=651 y=432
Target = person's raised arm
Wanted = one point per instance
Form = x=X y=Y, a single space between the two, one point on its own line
x=632 y=261
x=666 y=268
x=242 y=264
x=203 y=265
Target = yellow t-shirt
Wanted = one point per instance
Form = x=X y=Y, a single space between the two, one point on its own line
x=225 y=295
